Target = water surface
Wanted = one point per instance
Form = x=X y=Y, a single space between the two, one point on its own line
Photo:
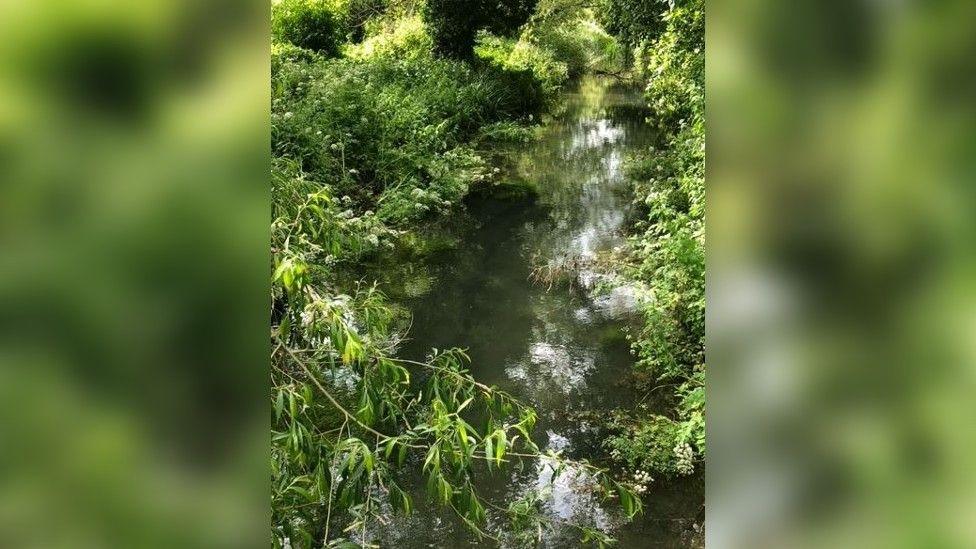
x=560 y=350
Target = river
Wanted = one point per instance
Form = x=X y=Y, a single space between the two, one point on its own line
x=561 y=350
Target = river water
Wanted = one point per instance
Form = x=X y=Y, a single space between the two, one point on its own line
x=561 y=350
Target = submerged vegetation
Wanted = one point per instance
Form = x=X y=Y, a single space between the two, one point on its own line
x=379 y=108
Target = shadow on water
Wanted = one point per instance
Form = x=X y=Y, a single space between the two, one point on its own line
x=561 y=351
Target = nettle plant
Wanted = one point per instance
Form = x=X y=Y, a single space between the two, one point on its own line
x=350 y=419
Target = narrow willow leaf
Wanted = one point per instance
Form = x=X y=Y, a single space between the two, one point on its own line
x=489 y=450
x=433 y=457
x=500 y=445
x=462 y=436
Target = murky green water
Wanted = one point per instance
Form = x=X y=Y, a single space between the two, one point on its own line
x=560 y=350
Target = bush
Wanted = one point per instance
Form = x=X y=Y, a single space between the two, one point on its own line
x=648 y=446
x=404 y=38
x=315 y=25
x=359 y=13
x=633 y=21
x=529 y=71
x=289 y=53
x=391 y=134
x=667 y=246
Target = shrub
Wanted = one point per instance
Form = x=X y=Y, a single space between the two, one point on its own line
x=668 y=243
x=282 y=52
x=633 y=21
x=532 y=73
x=647 y=445
x=405 y=38
x=390 y=134
x=315 y=25
x=453 y=25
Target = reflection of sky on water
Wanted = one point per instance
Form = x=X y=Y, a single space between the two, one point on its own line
x=584 y=185
x=553 y=367
x=559 y=351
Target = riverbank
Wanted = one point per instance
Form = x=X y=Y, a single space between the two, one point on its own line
x=665 y=253
x=371 y=142
x=562 y=349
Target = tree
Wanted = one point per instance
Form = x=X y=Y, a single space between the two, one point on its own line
x=455 y=23
x=632 y=21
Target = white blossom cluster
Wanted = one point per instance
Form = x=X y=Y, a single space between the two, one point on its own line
x=685 y=456
x=641 y=480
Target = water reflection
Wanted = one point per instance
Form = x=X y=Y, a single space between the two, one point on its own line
x=561 y=351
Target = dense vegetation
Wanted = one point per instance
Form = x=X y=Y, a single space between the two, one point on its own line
x=375 y=122
x=667 y=248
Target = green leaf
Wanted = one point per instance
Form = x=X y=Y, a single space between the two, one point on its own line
x=499 y=445
x=462 y=436
x=284 y=329
x=489 y=450
x=279 y=406
x=433 y=457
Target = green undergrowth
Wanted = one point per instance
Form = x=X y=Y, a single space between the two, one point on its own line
x=374 y=140
x=667 y=246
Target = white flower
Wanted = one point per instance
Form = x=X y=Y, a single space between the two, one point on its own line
x=685 y=456
x=289 y=114
x=354 y=171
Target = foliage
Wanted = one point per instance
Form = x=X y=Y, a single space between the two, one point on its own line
x=534 y=71
x=554 y=47
x=365 y=148
x=634 y=21
x=572 y=34
x=389 y=135
x=359 y=13
x=667 y=247
x=455 y=23
x=647 y=445
x=317 y=25
x=286 y=52
x=399 y=38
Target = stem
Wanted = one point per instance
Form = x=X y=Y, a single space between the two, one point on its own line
x=332 y=399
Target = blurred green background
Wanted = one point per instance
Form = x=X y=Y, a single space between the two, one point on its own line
x=133 y=274
x=841 y=273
